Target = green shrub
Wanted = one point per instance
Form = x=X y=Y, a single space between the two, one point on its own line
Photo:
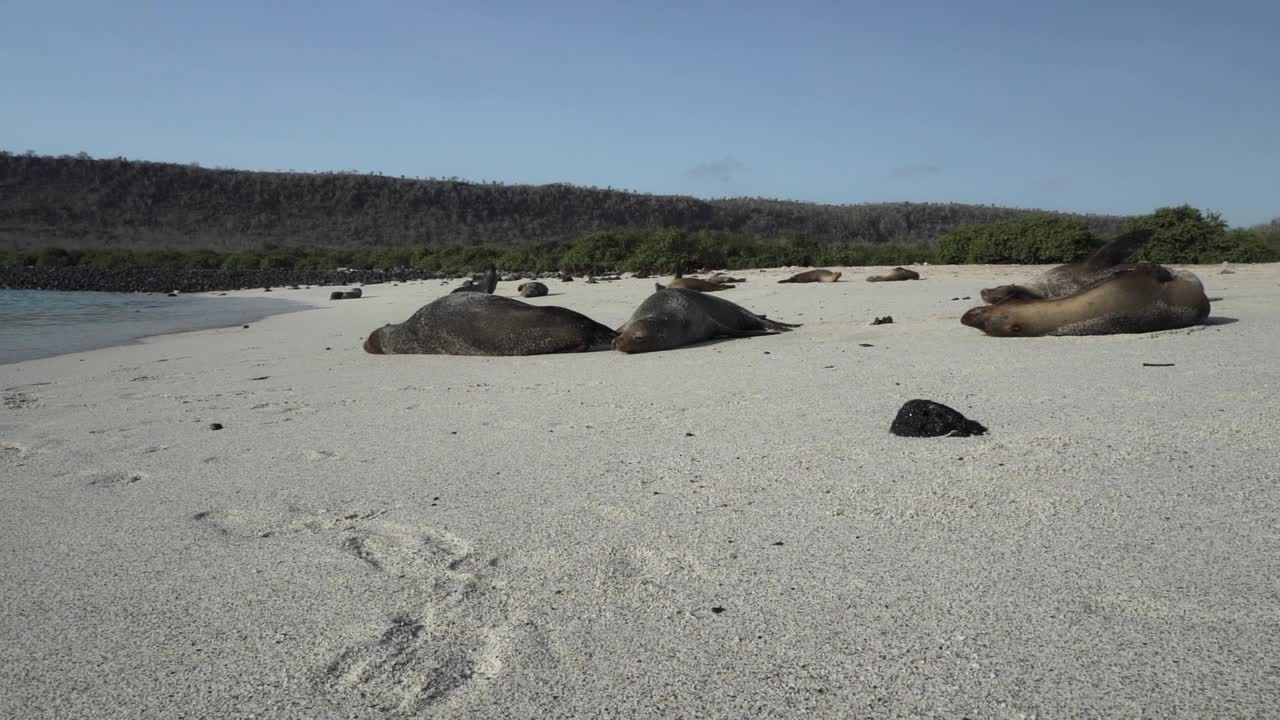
x=1034 y=239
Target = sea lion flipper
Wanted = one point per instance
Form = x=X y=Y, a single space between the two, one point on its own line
x=1117 y=251
x=736 y=333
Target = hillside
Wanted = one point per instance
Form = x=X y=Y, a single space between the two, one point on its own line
x=83 y=202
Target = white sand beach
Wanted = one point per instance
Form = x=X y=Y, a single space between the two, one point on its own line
x=721 y=531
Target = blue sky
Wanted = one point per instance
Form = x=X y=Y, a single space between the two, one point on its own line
x=1114 y=107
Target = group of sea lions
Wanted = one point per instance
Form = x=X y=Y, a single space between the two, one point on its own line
x=482 y=324
x=1103 y=294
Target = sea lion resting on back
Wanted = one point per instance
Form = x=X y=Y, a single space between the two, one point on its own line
x=1063 y=280
x=694 y=284
x=482 y=324
x=820 y=275
x=673 y=317
x=1137 y=299
x=898 y=273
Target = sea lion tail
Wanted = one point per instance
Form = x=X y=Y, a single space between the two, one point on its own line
x=659 y=286
x=788 y=280
x=1118 y=250
x=780 y=326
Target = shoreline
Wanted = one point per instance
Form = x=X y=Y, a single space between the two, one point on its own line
x=36 y=341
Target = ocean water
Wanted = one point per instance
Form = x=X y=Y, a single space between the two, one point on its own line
x=42 y=323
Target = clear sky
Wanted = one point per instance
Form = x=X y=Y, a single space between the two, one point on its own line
x=1114 y=107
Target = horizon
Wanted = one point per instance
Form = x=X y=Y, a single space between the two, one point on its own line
x=820 y=105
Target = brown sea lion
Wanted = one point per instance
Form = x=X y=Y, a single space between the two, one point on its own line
x=1137 y=299
x=809 y=276
x=532 y=289
x=898 y=273
x=673 y=317
x=487 y=285
x=482 y=324
x=1064 y=280
x=688 y=283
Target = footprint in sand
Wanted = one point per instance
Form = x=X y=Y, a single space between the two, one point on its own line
x=114 y=478
x=12 y=452
x=453 y=635
x=18 y=400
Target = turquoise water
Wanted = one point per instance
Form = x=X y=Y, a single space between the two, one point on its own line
x=42 y=323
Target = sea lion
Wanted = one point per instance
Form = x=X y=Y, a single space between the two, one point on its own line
x=672 y=317
x=898 y=273
x=487 y=285
x=820 y=275
x=532 y=289
x=337 y=295
x=1142 y=298
x=724 y=279
x=687 y=283
x=483 y=324
x=1064 y=280
x=352 y=294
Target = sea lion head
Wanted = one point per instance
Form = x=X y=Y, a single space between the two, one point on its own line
x=642 y=335
x=998 y=294
x=376 y=340
x=1001 y=320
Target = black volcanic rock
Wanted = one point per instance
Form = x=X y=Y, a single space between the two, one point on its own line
x=926 y=418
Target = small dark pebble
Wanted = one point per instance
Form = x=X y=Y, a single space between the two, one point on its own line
x=865 y=345
x=966 y=297
x=887 y=319
x=766 y=352
x=262 y=377
x=828 y=367
x=328 y=348
x=778 y=544
x=246 y=327
x=688 y=434
x=215 y=426
x=926 y=418
x=717 y=609
x=1157 y=364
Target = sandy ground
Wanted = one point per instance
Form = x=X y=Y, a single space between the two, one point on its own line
x=722 y=531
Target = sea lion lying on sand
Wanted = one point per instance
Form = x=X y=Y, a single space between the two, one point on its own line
x=488 y=285
x=809 y=276
x=1137 y=299
x=482 y=324
x=1064 y=280
x=898 y=273
x=724 y=279
x=532 y=289
x=672 y=317
x=694 y=284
